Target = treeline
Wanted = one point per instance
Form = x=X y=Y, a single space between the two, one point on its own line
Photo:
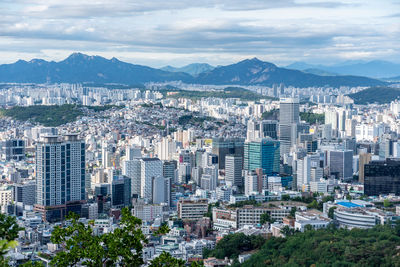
x=50 y=116
x=331 y=247
x=233 y=245
x=312 y=118
x=229 y=92
x=325 y=247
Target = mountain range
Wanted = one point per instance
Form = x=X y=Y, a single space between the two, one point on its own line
x=79 y=68
x=193 y=69
x=374 y=69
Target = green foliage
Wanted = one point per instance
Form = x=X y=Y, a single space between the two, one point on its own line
x=270 y=115
x=287 y=231
x=293 y=212
x=229 y=92
x=8 y=233
x=266 y=217
x=244 y=203
x=380 y=95
x=45 y=115
x=165 y=259
x=233 y=245
x=312 y=118
x=331 y=247
x=103 y=108
x=387 y=203
x=285 y=197
x=331 y=212
x=122 y=247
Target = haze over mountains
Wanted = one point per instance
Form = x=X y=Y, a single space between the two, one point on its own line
x=193 y=69
x=374 y=69
x=79 y=68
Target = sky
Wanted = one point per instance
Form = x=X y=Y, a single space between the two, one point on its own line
x=220 y=32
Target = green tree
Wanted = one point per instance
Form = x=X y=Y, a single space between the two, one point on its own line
x=387 y=203
x=121 y=247
x=287 y=231
x=293 y=212
x=266 y=217
x=285 y=197
x=313 y=204
x=166 y=260
x=8 y=233
x=331 y=212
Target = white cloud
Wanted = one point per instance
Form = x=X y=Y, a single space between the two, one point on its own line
x=177 y=32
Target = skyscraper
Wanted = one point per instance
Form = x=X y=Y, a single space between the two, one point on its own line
x=262 y=129
x=222 y=147
x=60 y=175
x=262 y=154
x=132 y=169
x=288 y=123
x=150 y=168
x=233 y=170
x=340 y=163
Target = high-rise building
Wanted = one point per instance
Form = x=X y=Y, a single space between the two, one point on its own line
x=289 y=111
x=288 y=123
x=60 y=175
x=209 y=179
x=364 y=159
x=262 y=154
x=169 y=170
x=340 y=163
x=229 y=146
x=25 y=193
x=150 y=168
x=262 y=129
x=308 y=170
x=382 y=177
x=120 y=191
x=132 y=169
x=13 y=149
x=233 y=170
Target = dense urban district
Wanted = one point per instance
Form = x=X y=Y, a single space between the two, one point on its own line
x=174 y=174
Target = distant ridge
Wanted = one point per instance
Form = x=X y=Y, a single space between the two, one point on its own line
x=81 y=68
x=374 y=69
x=193 y=69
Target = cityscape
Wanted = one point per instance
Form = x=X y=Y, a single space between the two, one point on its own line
x=233 y=162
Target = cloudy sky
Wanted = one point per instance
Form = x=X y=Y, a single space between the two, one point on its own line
x=178 y=32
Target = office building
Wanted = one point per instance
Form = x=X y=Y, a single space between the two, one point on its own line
x=13 y=149
x=192 y=209
x=229 y=146
x=382 y=177
x=25 y=193
x=364 y=159
x=120 y=191
x=233 y=170
x=288 y=123
x=132 y=169
x=150 y=168
x=262 y=154
x=340 y=164
x=262 y=129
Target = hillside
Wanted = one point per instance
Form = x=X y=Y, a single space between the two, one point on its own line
x=51 y=116
x=256 y=72
x=331 y=247
x=228 y=92
x=193 y=69
x=80 y=68
x=380 y=95
x=374 y=69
